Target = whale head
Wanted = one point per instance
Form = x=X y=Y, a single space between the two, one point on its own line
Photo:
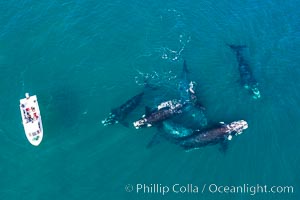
x=255 y=92
x=237 y=127
x=111 y=119
x=140 y=123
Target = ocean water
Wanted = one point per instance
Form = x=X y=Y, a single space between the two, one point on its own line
x=82 y=58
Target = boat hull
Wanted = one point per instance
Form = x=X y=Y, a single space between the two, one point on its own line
x=31 y=119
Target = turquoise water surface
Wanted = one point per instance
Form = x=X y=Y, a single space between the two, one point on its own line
x=82 y=58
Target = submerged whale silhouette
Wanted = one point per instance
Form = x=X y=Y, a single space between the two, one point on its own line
x=118 y=115
x=247 y=79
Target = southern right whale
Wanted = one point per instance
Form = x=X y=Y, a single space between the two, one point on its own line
x=164 y=111
x=119 y=114
x=247 y=79
x=187 y=88
x=214 y=135
x=193 y=139
x=191 y=113
x=192 y=116
x=188 y=106
x=170 y=131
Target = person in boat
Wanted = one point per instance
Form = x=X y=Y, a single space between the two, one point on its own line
x=30 y=119
x=35 y=116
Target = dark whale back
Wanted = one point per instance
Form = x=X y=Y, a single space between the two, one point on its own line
x=205 y=137
x=238 y=49
x=184 y=83
x=185 y=70
x=244 y=67
x=122 y=111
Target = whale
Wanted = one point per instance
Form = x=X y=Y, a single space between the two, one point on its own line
x=183 y=85
x=169 y=131
x=190 y=139
x=174 y=130
x=187 y=88
x=247 y=78
x=119 y=114
x=187 y=104
x=164 y=110
x=191 y=114
x=193 y=111
x=213 y=135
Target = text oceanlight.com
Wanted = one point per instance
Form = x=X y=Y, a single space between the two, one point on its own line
x=208 y=188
